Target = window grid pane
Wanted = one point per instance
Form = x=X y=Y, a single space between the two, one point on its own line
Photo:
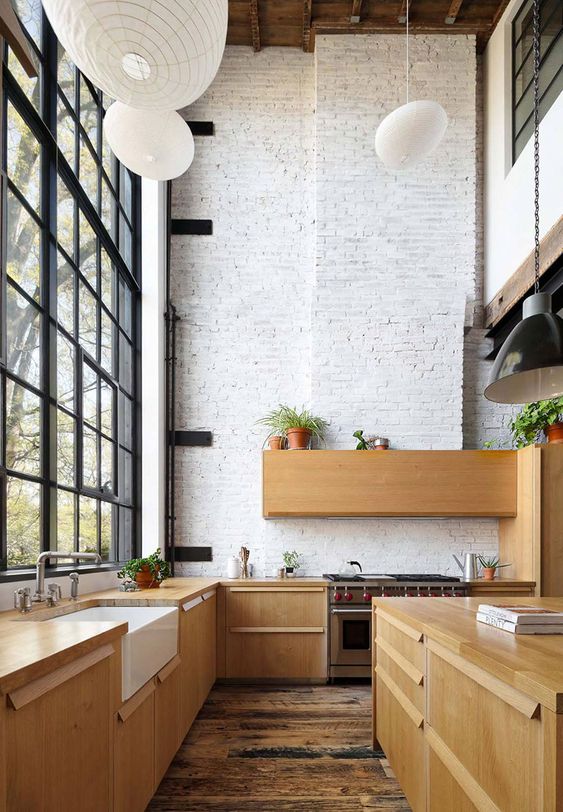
x=69 y=451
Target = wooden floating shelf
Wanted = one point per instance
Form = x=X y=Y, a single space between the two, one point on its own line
x=389 y=483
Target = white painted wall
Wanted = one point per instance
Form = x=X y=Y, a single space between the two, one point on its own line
x=509 y=209
x=153 y=305
x=328 y=280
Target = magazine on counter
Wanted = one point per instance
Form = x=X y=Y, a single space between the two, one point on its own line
x=522 y=614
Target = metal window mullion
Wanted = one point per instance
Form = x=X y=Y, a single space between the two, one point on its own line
x=529 y=85
x=544 y=26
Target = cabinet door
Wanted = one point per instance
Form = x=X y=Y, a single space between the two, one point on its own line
x=284 y=606
x=207 y=664
x=58 y=739
x=198 y=653
x=134 y=761
x=166 y=717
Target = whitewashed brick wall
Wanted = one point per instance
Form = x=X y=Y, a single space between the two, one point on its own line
x=328 y=280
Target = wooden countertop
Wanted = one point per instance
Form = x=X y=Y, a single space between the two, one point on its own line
x=531 y=663
x=31 y=646
x=499 y=582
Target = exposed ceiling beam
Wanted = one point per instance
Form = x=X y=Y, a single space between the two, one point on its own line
x=11 y=31
x=522 y=280
x=356 y=11
x=308 y=35
x=402 y=18
x=255 y=25
x=453 y=11
x=391 y=26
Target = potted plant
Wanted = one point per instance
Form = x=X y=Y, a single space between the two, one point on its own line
x=490 y=566
x=301 y=427
x=276 y=439
x=291 y=559
x=148 y=573
x=374 y=443
x=536 y=419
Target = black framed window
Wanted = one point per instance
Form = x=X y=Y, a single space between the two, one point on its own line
x=551 y=67
x=69 y=298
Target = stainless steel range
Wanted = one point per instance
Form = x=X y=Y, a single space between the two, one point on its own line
x=349 y=599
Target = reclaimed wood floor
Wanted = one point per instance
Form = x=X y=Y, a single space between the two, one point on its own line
x=294 y=749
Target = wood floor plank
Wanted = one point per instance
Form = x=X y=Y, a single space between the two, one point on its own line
x=285 y=748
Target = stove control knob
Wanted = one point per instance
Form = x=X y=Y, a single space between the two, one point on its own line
x=348 y=596
x=367 y=596
x=337 y=596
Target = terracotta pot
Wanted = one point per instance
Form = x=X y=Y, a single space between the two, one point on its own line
x=276 y=443
x=554 y=433
x=145 y=580
x=298 y=438
x=489 y=573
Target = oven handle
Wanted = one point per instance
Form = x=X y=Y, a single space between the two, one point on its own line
x=350 y=611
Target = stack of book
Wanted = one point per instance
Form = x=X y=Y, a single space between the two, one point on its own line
x=521 y=619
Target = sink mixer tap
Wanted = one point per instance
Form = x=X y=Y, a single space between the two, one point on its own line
x=73 y=586
x=39 y=594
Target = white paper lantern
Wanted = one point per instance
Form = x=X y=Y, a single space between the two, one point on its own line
x=150 y=54
x=152 y=143
x=410 y=133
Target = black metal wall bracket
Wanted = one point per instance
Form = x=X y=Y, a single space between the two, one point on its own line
x=193 y=438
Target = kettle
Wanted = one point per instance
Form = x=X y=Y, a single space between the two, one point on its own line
x=347 y=567
x=470 y=566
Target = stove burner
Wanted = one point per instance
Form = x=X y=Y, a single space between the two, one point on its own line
x=424 y=577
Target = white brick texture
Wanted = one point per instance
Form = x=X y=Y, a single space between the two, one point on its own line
x=328 y=281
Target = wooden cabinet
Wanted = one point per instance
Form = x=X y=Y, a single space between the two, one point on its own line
x=389 y=483
x=198 y=621
x=275 y=632
x=134 y=759
x=166 y=717
x=58 y=738
x=460 y=736
x=531 y=541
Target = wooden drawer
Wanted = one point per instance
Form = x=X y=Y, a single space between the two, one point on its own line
x=444 y=791
x=401 y=735
x=134 y=762
x=167 y=717
x=402 y=639
x=408 y=679
x=265 y=607
x=276 y=655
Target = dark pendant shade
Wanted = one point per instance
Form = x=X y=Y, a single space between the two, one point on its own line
x=529 y=366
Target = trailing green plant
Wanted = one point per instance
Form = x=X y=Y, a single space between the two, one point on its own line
x=292 y=419
x=530 y=423
x=272 y=421
x=291 y=559
x=491 y=563
x=159 y=569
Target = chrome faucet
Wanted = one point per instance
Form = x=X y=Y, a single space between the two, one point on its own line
x=39 y=594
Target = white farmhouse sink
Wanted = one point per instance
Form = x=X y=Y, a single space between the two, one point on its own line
x=151 y=642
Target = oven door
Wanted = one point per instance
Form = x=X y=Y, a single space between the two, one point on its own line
x=350 y=636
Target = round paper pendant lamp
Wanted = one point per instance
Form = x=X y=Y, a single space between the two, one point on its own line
x=150 y=54
x=410 y=133
x=155 y=144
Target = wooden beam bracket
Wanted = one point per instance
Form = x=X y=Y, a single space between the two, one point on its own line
x=255 y=25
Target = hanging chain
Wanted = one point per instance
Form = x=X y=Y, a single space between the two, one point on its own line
x=408 y=4
x=536 y=22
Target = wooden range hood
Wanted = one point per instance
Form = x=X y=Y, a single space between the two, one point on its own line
x=389 y=483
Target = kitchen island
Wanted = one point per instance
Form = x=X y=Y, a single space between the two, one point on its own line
x=469 y=716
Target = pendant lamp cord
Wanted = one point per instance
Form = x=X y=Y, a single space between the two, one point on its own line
x=408 y=4
x=536 y=28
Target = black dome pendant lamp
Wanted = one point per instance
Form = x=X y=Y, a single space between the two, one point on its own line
x=529 y=366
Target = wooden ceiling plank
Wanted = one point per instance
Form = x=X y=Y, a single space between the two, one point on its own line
x=11 y=31
x=356 y=15
x=255 y=25
x=453 y=11
x=308 y=37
